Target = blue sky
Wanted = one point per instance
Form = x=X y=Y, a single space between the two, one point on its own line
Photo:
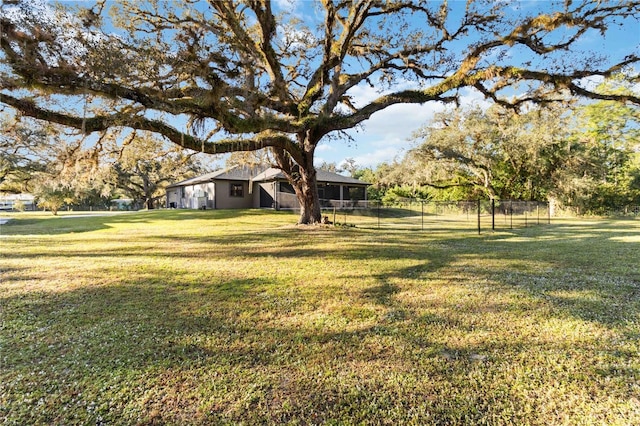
x=387 y=135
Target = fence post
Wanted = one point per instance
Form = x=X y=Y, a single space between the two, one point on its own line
x=379 y=202
x=548 y=213
x=334 y=215
x=422 y=211
x=478 y=216
x=493 y=214
x=538 y=212
x=525 y=217
x=510 y=214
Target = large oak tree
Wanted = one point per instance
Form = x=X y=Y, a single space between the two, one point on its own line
x=243 y=77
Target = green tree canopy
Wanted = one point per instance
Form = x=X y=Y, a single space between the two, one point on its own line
x=606 y=143
x=25 y=150
x=144 y=166
x=494 y=152
x=585 y=156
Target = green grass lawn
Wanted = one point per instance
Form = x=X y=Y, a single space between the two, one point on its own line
x=240 y=317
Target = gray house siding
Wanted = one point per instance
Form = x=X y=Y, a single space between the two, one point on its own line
x=192 y=196
x=173 y=198
x=229 y=195
x=244 y=188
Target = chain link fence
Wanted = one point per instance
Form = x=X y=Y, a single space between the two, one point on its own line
x=474 y=215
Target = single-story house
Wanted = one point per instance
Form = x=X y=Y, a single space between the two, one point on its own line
x=17 y=202
x=244 y=188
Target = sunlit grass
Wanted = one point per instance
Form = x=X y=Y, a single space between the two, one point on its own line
x=209 y=317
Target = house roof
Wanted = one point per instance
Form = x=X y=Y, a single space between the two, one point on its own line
x=14 y=197
x=321 y=175
x=261 y=175
x=233 y=173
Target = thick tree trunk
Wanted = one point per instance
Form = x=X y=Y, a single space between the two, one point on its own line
x=307 y=194
x=299 y=169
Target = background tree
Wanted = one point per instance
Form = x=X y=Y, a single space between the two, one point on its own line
x=330 y=167
x=253 y=159
x=144 y=166
x=495 y=152
x=350 y=166
x=25 y=150
x=245 y=78
x=606 y=142
x=53 y=197
x=70 y=175
x=586 y=157
x=41 y=158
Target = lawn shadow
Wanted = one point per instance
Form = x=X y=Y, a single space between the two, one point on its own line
x=287 y=355
x=164 y=338
x=80 y=222
x=585 y=271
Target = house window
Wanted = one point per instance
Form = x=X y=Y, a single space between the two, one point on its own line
x=236 y=189
x=286 y=188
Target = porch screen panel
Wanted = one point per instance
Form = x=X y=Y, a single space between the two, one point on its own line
x=332 y=192
x=353 y=193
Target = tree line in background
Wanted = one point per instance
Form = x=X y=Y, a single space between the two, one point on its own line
x=583 y=158
x=62 y=170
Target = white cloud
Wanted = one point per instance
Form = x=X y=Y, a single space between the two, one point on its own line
x=65 y=27
x=471 y=97
x=403 y=119
x=400 y=121
x=591 y=82
x=377 y=156
x=318 y=161
x=288 y=5
x=363 y=94
x=296 y=40
x=323 y=147
x=388 y=133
